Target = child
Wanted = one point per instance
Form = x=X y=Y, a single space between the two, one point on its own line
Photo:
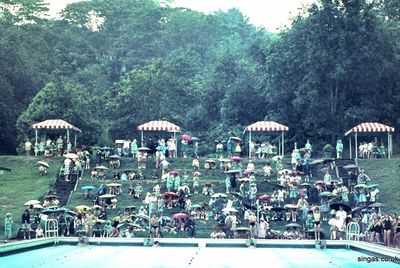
x=317 y=221
x=8 y=226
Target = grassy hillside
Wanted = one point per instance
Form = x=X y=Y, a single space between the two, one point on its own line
x=387 y=174
x=24 y=183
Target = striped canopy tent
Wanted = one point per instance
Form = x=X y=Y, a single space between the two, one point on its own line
x=269 y=126
x=158 y=125
x=370 y=128
x=55 y=124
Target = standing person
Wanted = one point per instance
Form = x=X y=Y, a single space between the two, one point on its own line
x=185 y=148
x=317 y=222
x=60 y=144
x=26 y=224
x=196 y=182
x=308 y=146
x=196 y=149
x=252 y=222
x=228 y=184
x=229 y=147
x=134 y=149
x=219 y=149
x=387 y=229
x=171 y=147
x=191 y=227
x=267 y=172
x=238 y=149
x=8 y=225
x=339 y=149
x=28 y=147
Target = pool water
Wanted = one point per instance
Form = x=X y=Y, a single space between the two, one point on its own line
x=143 y=257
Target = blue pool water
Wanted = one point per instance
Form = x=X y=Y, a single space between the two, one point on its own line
x=143 y=257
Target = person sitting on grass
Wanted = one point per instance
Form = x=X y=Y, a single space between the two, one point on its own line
x=138 y=190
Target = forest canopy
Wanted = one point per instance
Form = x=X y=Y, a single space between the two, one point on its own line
x=108 y=66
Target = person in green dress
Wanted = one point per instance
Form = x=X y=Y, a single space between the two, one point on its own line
x=170 y=182
x=196 y=148
x=339 y=149
x=8 y=226
x=185 y=178
x=42 y=147
x=185 y=148
x=134 y=149
x=228 y=184
x=177 y=183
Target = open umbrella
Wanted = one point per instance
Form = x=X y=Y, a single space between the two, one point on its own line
x=96 y=207
x=210 y=161
x=376 y=205
x=327 y=194
x=244 y=179
x=196 y=206
x=114 y=156
x=242 y=228
x=264 y=197
x=236 y=158
x=373 y=185
x=196 y=173
x=32 y=202
x=43 y=164
x=351 y=166
x=276 y=158
x=224 y=160
x=336 y=206
x=319 y=182
x=174 y=172
x=114 y=184
x=107 y=196
x=105 y=148
x=237 y=139
x=165 y=218
x=218 y=195
x=208 y=184
x=37 y=206
x=101 y=167
x=361 y=185
x=291 y=206
x=195 y=139
x=180 y=216
x=82 y=207
x=142 y=149
x=71 y=155
x=168 y=195
x=88 y=187
x=186 y=137
x=232 y=171
x=50 y=196
x=283 y=171
x=278 y=208
x=230 y=210
x=305 y=184
x=293 y=225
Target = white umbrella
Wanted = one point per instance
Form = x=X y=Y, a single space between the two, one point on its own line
x=32 y=202
x=71 y=155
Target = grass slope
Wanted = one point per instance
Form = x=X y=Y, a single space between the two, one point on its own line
x=24 y=183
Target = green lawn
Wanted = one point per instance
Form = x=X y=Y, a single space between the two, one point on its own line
x=24 y=183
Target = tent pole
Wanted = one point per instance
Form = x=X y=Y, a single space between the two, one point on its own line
x=176 y=146
x=67 y=135
x=75 y=140
x=350 y=147
x=388 y=142
x=279 y=147
x=356 y=149
x=249 y=144
x=283 y=143
x=141 y=138
x=36 y=142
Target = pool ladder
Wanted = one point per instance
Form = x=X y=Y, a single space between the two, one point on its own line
x=51 y=229
x=352 y=233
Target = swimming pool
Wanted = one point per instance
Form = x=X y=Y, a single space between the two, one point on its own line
x=176 y=257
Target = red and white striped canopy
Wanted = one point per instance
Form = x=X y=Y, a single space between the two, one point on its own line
x=159 y=126
x=266 y=126
x=55 y=124
x=370 y=127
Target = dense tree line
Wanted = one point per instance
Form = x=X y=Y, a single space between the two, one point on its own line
x=107 y=66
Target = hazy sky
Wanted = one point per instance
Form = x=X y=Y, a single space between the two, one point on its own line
x=268 y=13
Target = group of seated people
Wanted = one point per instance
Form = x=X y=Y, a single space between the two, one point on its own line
x=371 y=150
